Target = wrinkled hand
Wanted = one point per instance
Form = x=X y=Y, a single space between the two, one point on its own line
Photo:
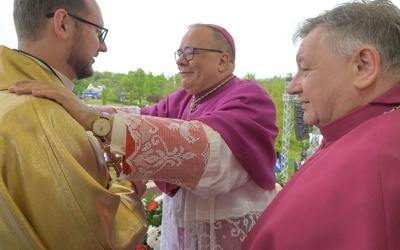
x=81 y=112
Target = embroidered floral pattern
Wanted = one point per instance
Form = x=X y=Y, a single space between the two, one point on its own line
x=165 y=145
x=228 y=233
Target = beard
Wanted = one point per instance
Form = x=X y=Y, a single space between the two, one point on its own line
x=78 y=61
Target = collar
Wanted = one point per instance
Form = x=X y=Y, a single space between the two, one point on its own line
x=197 y=96
x=341 y=126
x=65 y=81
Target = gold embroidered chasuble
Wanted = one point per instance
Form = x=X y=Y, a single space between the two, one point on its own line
x=54 y=192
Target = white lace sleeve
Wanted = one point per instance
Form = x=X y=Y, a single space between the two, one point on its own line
x=165 y=149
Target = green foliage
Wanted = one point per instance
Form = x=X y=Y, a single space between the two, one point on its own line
x=103 y=97
x=280 y=178
x=81 y=85
x=250 y=76
x=136 y=81
x=276 y=87
x=154 y=85
x=110 y=96
x=130 y=97
x=153 y=209
x=293 y=154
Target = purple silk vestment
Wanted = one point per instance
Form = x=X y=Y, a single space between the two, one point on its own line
x=347 y=195
x=243 y=113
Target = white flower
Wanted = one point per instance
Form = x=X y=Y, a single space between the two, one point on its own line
x=153 y=237
x=158 y=198
x=157 y=244
x=151 y=241
x=152 y=231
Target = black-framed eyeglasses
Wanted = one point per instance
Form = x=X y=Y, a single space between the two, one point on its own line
x=103 y=31
x=188 y=52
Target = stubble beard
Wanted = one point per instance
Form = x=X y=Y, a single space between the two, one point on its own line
x=78 y=60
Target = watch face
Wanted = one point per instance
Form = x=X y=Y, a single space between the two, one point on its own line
x=101 y=127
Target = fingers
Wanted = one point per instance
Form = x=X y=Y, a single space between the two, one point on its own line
x=42 y=89
x=11 y=89
x=75 y=107
x=33 y=87
x=21 y=82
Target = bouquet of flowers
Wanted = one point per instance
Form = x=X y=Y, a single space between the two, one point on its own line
x=153 y=210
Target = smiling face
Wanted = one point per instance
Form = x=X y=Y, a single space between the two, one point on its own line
x=324 y=81
x=202 y=72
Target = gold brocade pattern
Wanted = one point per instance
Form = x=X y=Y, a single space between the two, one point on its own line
x=52 y=191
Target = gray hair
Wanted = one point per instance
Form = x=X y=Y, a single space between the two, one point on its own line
x=219 y=39
x=30 y=15
x=352 y=25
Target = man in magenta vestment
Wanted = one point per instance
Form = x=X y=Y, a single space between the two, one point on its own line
x=347 y=195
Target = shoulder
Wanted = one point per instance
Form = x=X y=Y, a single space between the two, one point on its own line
x=388 y=128
x=376 y=139
x=248 y=92
x=5 y=49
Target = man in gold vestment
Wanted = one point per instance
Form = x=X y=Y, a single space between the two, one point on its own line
x=54 y=188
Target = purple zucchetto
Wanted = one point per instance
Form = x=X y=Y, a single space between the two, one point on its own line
x=226 y=35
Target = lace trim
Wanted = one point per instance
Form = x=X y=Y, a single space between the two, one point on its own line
x=165 y=145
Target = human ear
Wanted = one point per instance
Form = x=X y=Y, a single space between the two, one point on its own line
x=61 y=24
x=224 y=61
x=368 y=66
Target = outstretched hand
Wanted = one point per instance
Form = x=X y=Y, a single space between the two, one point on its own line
x=81 y=112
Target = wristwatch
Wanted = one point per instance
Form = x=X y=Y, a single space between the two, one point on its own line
x=101 y=127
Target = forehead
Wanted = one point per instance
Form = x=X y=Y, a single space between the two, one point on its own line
x=196 y=37
x=311 y=44
x=95 y=12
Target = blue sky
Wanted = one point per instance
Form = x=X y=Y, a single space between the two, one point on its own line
x=144 y=34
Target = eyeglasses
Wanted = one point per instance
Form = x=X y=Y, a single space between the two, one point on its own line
x=188 y=53
x=102 y=34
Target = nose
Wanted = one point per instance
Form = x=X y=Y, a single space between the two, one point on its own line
x=294 y=88
x=181 y=61
x=103 y=47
